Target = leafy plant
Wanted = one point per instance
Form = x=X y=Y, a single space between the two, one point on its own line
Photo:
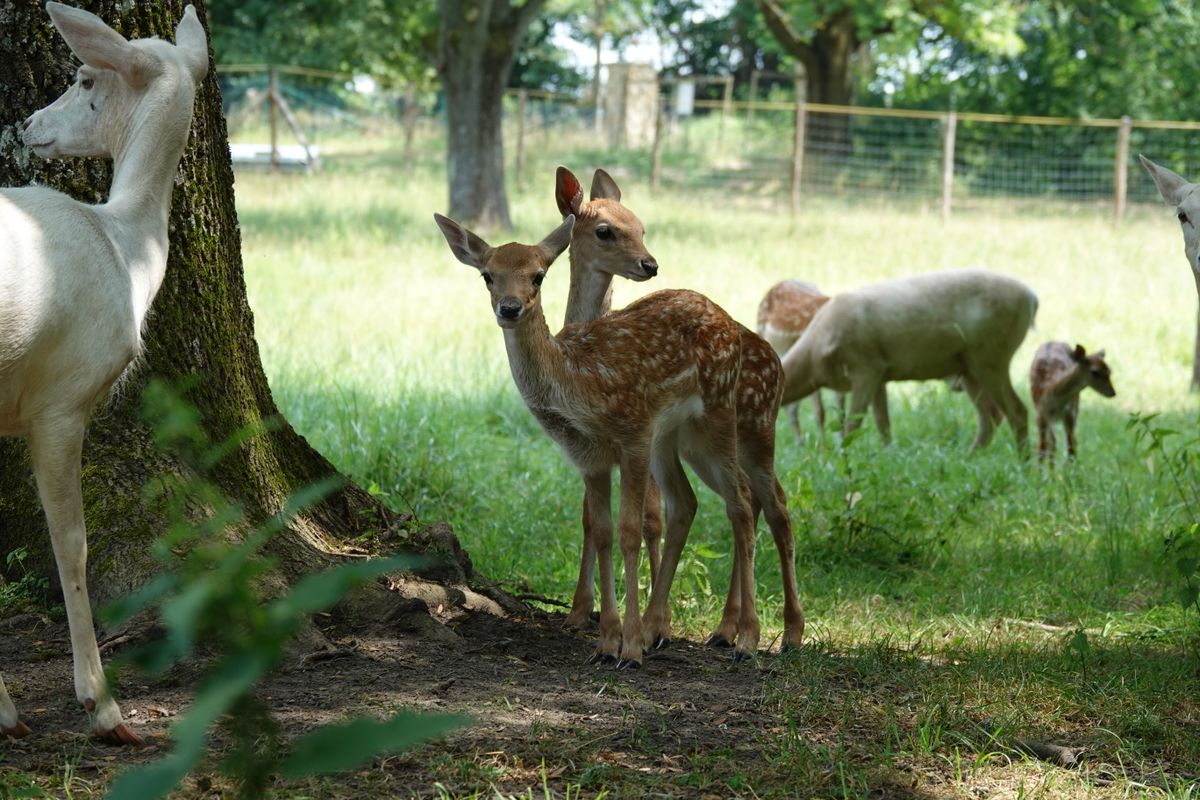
x=29 y=589
x=1181 y=543
x=211 y=591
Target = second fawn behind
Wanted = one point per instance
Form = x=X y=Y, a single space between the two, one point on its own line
x=1057 y=376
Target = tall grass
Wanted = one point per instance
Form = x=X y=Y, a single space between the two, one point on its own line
x=382 y=350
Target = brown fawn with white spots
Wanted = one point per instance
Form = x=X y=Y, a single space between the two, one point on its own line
x=1056 y=378
x=608 y=240
x=786 y=311
x=640 y=389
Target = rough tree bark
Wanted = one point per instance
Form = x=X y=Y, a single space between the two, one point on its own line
x=477 y=43
x=828 y=58
x=200 y=325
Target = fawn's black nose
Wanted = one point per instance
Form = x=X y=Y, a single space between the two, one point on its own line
x=650 y=266
x=509 y=309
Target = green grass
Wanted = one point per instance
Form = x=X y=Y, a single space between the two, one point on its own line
x=917 y=563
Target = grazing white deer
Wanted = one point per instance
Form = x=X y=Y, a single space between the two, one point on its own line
x=640 y=389
x=938 y=325
x=76 y=282
x=608 y=239
x=1056 y=377
x=786 y=311
x=1179 y=192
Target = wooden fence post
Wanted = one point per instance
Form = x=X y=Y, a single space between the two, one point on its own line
x=948 y=139
x=1121 y=169
x=520 y=160
x=273 y=114
x=753 y=96
x=410 y=124
x=660 y=124
x=798 y=141
x=726 y=105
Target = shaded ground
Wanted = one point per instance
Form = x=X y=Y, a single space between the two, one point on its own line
x=525 y=681
x=882 y=720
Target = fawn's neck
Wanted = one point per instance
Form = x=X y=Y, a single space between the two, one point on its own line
x=538 y=364
x=590 y=294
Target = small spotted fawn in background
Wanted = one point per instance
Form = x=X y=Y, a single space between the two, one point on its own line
x=1056 y=378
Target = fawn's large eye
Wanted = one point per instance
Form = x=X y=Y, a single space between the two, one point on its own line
x=1183 y=217
x=87 y=83
x=486 y=278
x=537 y=279
x=605 y=233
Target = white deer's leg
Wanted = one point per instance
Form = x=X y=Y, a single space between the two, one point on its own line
x=634 y=476
x=862 y=394
x=10 y=723
x=883 y=422
x=599 y=511
x=681 y=510
x=584 y=600
x=55 y=446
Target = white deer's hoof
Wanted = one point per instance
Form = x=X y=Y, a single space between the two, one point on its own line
x=16 y=730
x=120 y=735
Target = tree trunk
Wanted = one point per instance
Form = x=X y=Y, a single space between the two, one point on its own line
x=477 y=43
x=828 y=59
x=200 y=325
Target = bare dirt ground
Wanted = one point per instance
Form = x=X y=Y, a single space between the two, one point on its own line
x=689 y=723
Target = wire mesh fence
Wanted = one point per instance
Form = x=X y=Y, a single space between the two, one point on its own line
x=775 y=149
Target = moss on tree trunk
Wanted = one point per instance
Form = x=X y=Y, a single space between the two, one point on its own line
x=200 y=325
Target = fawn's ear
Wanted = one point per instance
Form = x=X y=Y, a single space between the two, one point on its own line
x=558 y=240
x=191 y=41
x=604 y=187
x=1098 y=354
x=1079 y=354
x=568 y=192
x=1170 y=184
x=466 y=246
x=99 y=46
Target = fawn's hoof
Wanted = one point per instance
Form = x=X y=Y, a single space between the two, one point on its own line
x=16 y=731
x=120 y=735
x=629 y=663
x=601 y=658
x=786 y=649
x=740 y=656
x=717 y=640
x=661 y=642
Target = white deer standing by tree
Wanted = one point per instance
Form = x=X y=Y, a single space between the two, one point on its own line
x=1178 y=192
x=76 y=282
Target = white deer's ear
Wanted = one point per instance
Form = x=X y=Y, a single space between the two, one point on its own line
x=558 y=240
x=191 y=41
x=98 y=45
x=604 y=187
x=568 y=192
x=466 y=246
x=1170 y=185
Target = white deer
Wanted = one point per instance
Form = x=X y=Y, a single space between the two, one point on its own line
x=640 y=388
x=1179 y=192
x=966 y=323
x=609 y=240
x=77 y=280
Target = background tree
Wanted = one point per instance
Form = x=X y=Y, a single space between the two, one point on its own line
x=200 y=326
x=394 y=39
x=477 y=44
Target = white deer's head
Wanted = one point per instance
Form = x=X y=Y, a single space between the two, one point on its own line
x=1185 y=196
x=121 y=85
